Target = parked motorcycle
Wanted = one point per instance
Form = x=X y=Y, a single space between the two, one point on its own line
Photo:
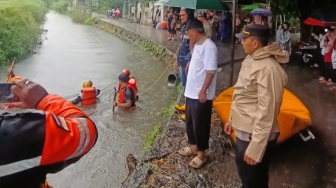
x=310 y=53
x=306 y=51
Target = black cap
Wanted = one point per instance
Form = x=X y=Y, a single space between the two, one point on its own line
x=254 y=30
x=124 y=77
x=195 y=24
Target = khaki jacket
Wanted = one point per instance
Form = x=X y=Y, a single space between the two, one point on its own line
x=258 y=96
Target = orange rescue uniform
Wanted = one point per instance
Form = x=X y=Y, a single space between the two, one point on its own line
x=36 y=143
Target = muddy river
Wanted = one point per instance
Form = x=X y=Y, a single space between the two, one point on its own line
x=73 y=53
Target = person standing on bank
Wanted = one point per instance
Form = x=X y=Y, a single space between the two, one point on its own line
x=199 y=93
x=206 y=25
x=184 y=53
x=256 y=104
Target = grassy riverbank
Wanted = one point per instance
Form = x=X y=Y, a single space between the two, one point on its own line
x=167 y=113
x=77 y=15
x=20 y=22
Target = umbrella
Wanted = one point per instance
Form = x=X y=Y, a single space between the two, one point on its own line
x=251 y=7
x=261 y=12
x=198 y=4
x=324 y=16
x=160 y=3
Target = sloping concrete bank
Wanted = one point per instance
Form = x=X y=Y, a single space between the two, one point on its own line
x=155 y=49
x=162 y=166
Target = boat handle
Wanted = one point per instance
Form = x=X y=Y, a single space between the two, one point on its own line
x=310 y=136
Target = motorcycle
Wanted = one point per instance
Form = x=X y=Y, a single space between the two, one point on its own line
x=310 y=52
x=305 y=51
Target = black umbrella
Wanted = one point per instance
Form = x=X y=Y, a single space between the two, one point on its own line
x=325 y=16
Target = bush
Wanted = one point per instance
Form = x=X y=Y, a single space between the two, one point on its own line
x=37 y=8
x=82 y=17
x=60 y=6
x=19 y=27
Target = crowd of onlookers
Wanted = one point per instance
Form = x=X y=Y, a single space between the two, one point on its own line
x=328 y=56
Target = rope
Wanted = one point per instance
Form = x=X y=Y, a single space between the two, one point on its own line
x=75 y=95
x=171 y=61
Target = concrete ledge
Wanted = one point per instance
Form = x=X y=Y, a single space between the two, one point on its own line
x=157 y=50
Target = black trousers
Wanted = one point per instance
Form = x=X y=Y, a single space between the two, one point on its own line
x=253 y=176
x=334 y=75
x=328 y=71
x=198 y=122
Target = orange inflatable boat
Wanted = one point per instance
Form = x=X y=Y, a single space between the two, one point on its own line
x=293 y=117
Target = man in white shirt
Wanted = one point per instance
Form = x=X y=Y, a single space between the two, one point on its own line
x=199 y=93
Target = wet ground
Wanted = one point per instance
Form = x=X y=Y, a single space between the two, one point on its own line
x=72 y=54
x=296 y=163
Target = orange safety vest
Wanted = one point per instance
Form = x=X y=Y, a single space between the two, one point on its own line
x=121 y=98
x=89 y=96
x=132 y=84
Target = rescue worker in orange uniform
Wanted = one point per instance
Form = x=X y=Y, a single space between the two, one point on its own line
x=36 y=143
x=131 y=83
x=126 y=97
x=88 y=94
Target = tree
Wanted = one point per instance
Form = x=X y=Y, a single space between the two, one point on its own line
x=300 y=9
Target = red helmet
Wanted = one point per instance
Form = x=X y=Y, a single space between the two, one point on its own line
x=126 y=71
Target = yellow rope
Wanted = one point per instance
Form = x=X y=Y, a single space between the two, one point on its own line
x=171 y=61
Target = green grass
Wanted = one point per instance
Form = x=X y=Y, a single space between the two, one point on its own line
x=167 y=112
x=60 y=6
x=81 y=17
x=150 y=137
x=20 y=22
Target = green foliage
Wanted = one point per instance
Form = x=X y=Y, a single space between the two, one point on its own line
x=81 y=17
x=37 y=8
x=298 y=10
x=168 y=112
x=19 y=27
x=150 y=137
x=90 y=20
x=60 y=6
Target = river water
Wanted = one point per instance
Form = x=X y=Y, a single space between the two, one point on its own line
x=73 y=53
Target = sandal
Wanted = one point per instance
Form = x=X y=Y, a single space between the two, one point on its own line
x=186 y=151
x=197 y=162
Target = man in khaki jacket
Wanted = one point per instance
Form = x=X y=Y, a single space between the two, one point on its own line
x=256 y=104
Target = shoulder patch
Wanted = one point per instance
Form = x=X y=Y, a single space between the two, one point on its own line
x=60 y=122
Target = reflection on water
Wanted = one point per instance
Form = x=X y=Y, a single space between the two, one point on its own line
x=74 y=53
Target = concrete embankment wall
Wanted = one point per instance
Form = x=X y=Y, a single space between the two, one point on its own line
x=157 y=50
x=139 y=176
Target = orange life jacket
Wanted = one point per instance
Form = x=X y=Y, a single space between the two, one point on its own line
x=89 y=96
x=132 y=84
x=121 y=98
